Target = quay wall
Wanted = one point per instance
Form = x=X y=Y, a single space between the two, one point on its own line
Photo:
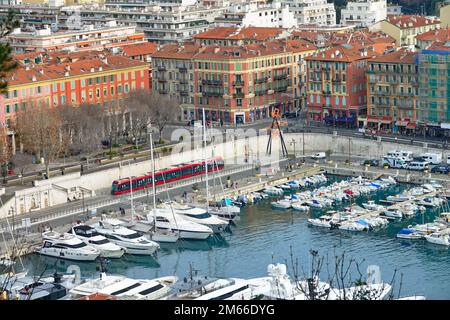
x=59 y=190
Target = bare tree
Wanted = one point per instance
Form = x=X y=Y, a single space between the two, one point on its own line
x=149 y=108
x=40 y=131
x=5 y=153
x=23 y=162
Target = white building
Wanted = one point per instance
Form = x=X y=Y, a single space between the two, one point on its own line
x=10 y=2
x=364 y=13
x=312 y=11
x=273 y=15
x=394 y=9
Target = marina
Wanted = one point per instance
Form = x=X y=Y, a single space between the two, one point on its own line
x=263 y=228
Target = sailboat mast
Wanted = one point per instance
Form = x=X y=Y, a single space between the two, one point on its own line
x=153 y=178
x=204 y=156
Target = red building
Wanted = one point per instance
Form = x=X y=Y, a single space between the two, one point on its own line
x=336 y=85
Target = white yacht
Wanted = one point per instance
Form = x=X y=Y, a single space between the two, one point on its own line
x=200 y=216
x=323 y=221
x=281 y=204
x=131 y=241
x=121 y=286
x=371 y=205
x=240 y=289
x=91 y=237
x=67 y=246
x=187 y=229
x=393 y=212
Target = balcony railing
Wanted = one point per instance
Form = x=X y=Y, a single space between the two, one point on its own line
x=280 y=89
x=162 y=68
x=239 y=95
x=163 y=91
x=184 y=81
x=238 y=83
x=280 y=76
x=260 y=92
x=182 y=69
x=261 y=80
x=212 y=94
x=326 y=93
x=211 y=82
x=184 y=93
x=162 y=79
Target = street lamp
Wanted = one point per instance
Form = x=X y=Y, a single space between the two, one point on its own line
x=293 y=142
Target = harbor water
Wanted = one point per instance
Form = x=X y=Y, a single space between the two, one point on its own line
x=263 y=236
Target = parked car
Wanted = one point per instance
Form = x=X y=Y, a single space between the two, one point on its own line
x=371 y=162
x=290 y=115
x=441 y=169
x=319 y=155
x=418 y=165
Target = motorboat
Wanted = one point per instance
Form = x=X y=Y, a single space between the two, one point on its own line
x=413 y=298
x=285 y=187
x=241 y=289
x=410 y=234
x=132 y=241
x=299 y=207
x=393 y=212
x=281 y=204
x=371 y=291
x=120 y=286
x=187 y=229
x=273 y=191
x=199 y=215
x=439 y=238
x=430 y=202
x=371 y=205
x=293 y=184
x=400 y=198
x=323 y=221
x=354 y=226
x=67 y=246
x=91 y=237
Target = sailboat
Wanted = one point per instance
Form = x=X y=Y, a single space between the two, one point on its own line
x=149 y=226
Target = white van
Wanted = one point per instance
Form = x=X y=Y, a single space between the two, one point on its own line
x=405 y=155
x=448 y=159
x=433 y=158
x=393 y=162
x=319 y=155
x=418 y=165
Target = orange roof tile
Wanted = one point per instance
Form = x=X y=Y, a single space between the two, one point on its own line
x=440 y=45
x=435 y=35
x=175 y=51
x=410 y=21
x=402 y=55
x=343 y=53
x=145 y=48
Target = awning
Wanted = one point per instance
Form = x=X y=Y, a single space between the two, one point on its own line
x=411 y=125
x=315 y=110
x=373 y=120
x=402 y=123
x=385 y=121
x=445 y=125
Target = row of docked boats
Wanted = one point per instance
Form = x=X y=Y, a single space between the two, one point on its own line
x=112 y=237
x=436 y=232
x=328 y=196
x=277 y=285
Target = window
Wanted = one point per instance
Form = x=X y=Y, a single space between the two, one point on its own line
x=83 y=82
x=111 y=78
x=72 y=84
x=344 y=102
x=97 y=93
x=62 y=86
x=7 y=108
x=111 y=90
x=73 y=96
x=55 y=87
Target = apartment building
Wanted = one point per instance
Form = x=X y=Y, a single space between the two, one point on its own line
x=426 y=39
x=337 y=93
x=364 y=13
x=231 y=36
x=312 y=11
x=434 y=89
x=141 y=52
x=393 y=91
x=405 y=28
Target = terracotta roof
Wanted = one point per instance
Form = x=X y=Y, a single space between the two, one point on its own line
x=300 y=45
x=55 y=67
x=145 y=48
x=402 y=55
x=311 y=36
x=176 y=51
x=435 y=35
x=440 y=45
x=361 y=37
x=410 y=21
x=343 y=53
x=235 y=33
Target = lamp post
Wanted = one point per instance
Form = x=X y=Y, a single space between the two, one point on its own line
x=293 y=142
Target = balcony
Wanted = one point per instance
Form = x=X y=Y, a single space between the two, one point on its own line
x=184 y=81
x=238 y=83
x=162 y=79
x=182 y=69
x=163 y=91
x=239 y=95
x=280 y=89
x=162 y=68
x=261 y=80
x=280 y=76
x=326 y=93
x=212 y=94
x=211 y=82
x=270 y=91
x=260 y=92
x=184 y=93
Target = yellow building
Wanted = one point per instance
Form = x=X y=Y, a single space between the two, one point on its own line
x=405 y=28
x=445 y=16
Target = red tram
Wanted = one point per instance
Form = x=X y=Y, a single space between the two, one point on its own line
x=178 y=172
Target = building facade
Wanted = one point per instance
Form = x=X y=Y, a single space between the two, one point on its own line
x=393 y=92
x=434 y=89
x=90 y=38
x=426 y=39
x=364 y=13
x=312 y=11
x=337 y=93
x=99 y=79
x=405 y=28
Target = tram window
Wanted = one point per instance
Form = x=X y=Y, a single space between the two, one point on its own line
x=186 y=171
